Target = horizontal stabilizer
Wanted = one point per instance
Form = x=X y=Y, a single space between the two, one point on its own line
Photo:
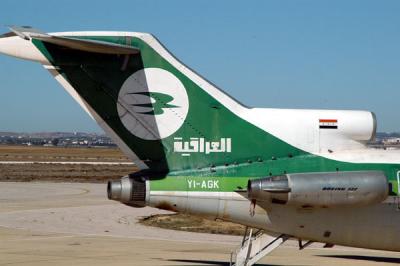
x=28 y=33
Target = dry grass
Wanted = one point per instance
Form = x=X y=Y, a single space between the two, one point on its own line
x=184 y=222
x=62 y=172
x=39 y=153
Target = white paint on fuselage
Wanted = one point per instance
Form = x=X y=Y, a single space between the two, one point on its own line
x=365 y=155
x=374 y=226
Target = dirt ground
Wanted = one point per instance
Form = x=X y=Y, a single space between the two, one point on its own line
x=63 y=172
x=183 y=222
x=23 y=163
x=51 y=154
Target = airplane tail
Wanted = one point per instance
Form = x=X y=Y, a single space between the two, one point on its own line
x=162 y=114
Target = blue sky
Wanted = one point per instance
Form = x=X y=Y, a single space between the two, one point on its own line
x=286 y=54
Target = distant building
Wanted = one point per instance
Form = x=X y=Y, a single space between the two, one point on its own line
x=60 y=139
x=391 y=141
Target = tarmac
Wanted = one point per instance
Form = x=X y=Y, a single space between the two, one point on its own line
x=75 y=224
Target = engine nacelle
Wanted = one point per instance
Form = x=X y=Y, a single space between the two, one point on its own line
x=132 y=191
x=324 y=190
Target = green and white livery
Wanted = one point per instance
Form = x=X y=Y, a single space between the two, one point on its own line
x=304 y=174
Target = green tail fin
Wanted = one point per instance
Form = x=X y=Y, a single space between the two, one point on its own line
x=162 y=114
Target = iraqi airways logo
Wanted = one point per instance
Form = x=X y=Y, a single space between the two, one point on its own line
x=161 y=101
x=152 y=103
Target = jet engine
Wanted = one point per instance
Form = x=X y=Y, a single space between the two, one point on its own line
x=132 y=191
x=326 y=190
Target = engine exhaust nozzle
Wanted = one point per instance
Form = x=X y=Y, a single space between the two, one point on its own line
x=128 y=190
x=114 y=189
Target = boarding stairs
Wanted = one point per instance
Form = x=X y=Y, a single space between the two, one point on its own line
x=254 y=246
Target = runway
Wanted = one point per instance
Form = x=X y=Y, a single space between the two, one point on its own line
x=74 y=224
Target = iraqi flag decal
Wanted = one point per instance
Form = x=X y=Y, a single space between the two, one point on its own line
x=328 y=123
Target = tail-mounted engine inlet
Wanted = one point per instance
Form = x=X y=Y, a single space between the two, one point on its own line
x=274 y=189
x=331 y=189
